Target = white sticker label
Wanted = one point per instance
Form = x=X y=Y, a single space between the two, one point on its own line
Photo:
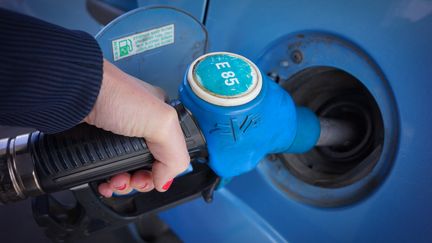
x=144 y=41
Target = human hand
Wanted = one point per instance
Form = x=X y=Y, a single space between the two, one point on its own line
x=130 y=107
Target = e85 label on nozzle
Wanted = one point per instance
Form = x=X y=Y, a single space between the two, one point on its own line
x=229 y=76
x=225 y=79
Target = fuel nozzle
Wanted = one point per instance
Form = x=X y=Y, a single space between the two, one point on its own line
x=245 y=115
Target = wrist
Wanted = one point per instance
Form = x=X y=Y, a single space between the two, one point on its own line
x=102 y=95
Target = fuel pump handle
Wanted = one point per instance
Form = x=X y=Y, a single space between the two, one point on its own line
x=38 y=163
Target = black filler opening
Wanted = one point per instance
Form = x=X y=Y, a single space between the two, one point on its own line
x=334 y=93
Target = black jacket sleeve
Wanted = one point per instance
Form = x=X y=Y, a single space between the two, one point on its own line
x=49 y=76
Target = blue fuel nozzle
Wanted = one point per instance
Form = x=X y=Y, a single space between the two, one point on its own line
x=242 y=114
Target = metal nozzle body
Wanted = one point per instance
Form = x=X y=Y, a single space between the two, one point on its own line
x=335 y=132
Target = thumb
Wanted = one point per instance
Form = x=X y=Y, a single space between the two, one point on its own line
x=163 y=176
x=170 y=153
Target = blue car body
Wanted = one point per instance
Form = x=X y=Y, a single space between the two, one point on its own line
x=395 y=38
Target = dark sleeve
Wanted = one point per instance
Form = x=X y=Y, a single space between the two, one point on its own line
x=49 y=76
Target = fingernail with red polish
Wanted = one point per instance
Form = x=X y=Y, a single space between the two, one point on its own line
x=121 y=188
x=167 y=185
